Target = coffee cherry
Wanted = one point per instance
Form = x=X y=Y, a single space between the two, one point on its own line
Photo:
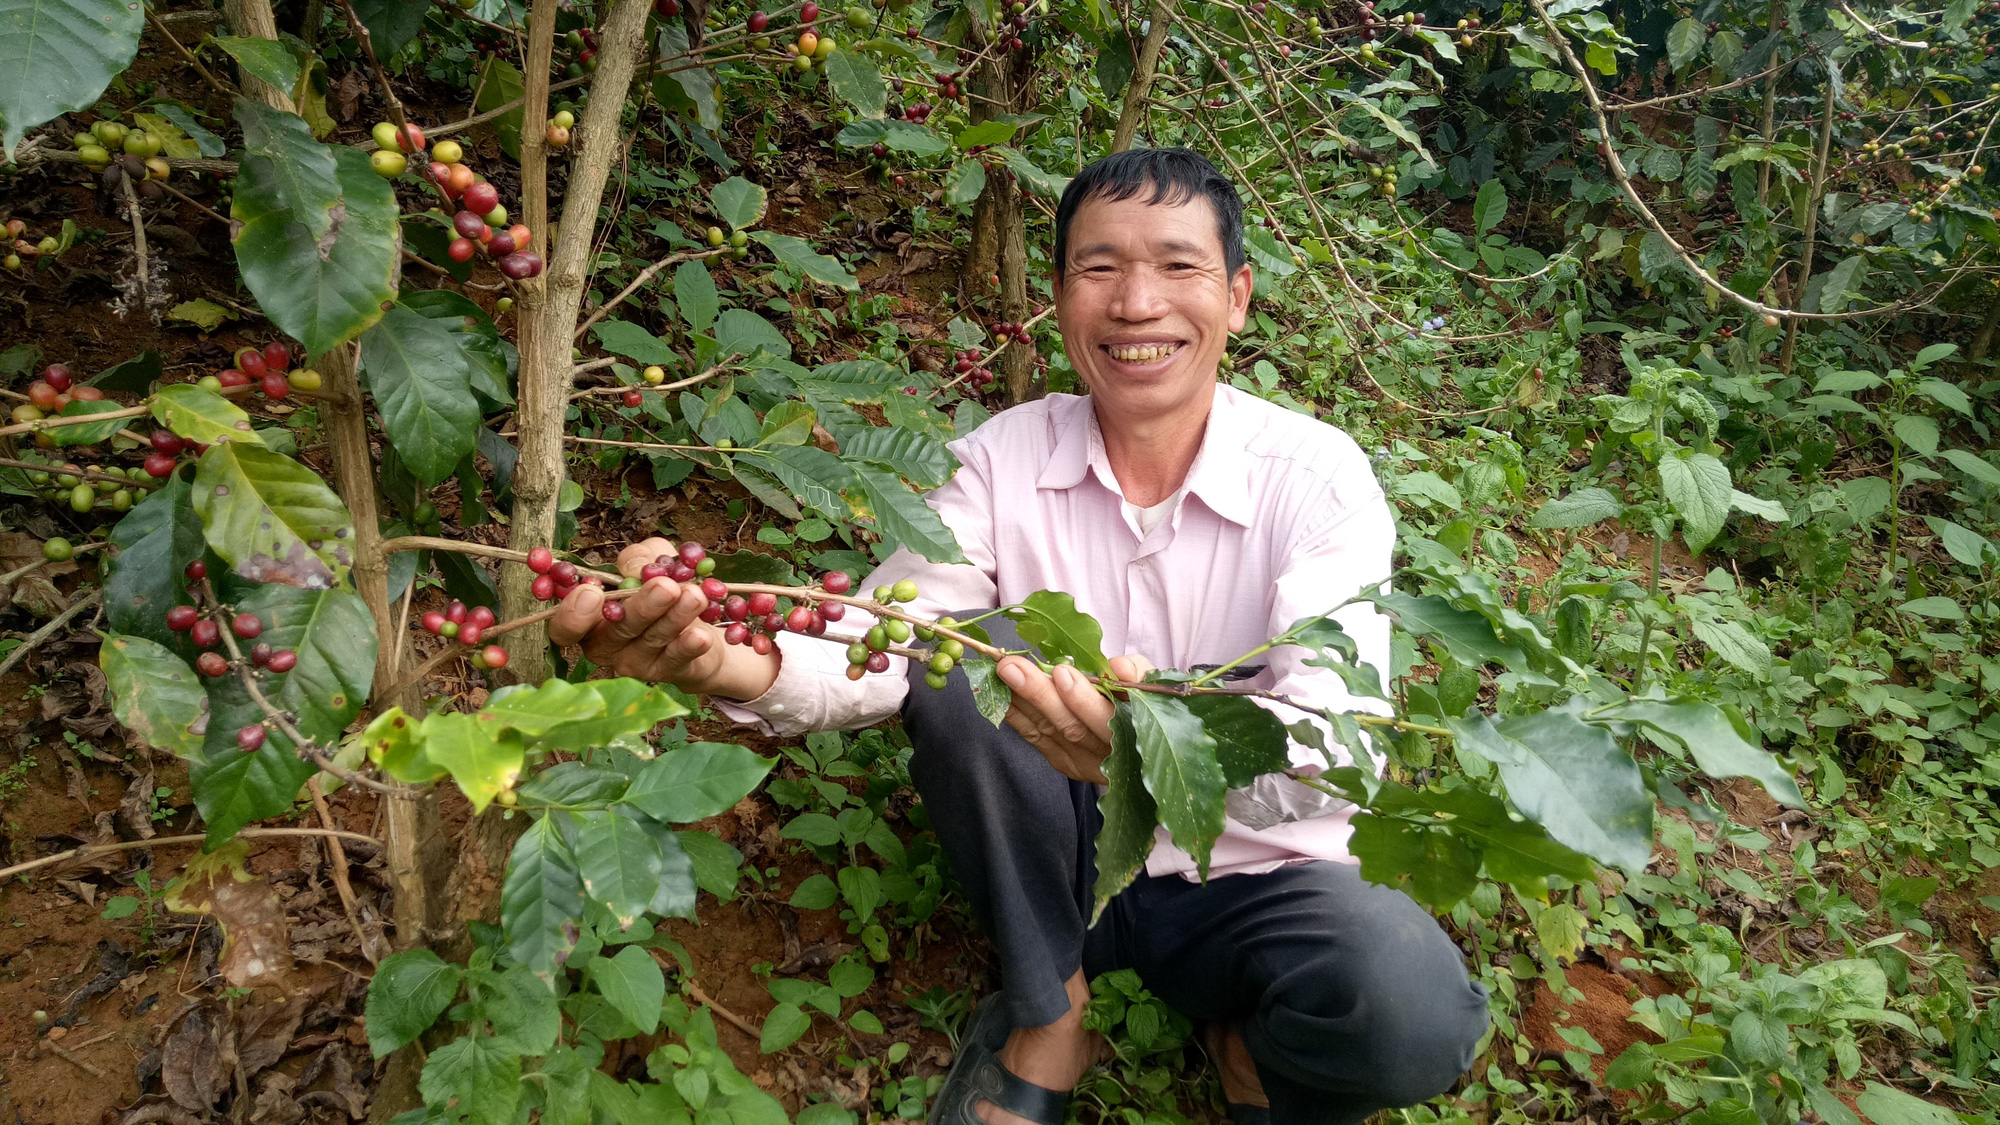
x=58 y=376
x=632 y=398
x=274 y=384
x=857 y=653
x=837 y=582
x=761 y=644
x=251 y=738
x=877 y=638
x=246 y=625
x=564 y=573
x=762 y=603
x=197 y=570
x=448 y=629
x=250 y=361
x=260 y=653
x=541 y=559
x=543 y=587
x=904 y=591
x=772 y=622
x=735 y=634
x=940 y=663
x=304 y=379
x=496 y=657
x=832 y=611
x=757 y=22
x=878 y=662
x=455 y=612
x=932 y=679
x=680 y=571
x=283 y=660
x=952 y=648
x=447 y=152
x=613 y=611
x=460 y=250
x=714 y=588
x=481 y=199
x=205 y=633
x=799 y=619
x=211 y=664
x=481 y=616
x=181 y=618
x=469 y=634
x=230 y=377
x=159 y=465
x=44 y=397
x=433 y=622
x=899 y=631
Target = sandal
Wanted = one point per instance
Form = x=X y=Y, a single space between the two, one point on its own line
x=1239 y=1113
x=976 y=1075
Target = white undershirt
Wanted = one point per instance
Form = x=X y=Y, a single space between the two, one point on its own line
x=1149 y=518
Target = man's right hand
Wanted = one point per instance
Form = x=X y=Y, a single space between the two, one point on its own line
x=662 y=637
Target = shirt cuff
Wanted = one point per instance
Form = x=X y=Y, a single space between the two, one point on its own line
x=780 y=710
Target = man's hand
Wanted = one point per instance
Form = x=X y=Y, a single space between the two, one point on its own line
x=1063 y=715
x=662 y=637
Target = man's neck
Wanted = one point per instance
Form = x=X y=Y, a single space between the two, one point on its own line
x=1151 y=456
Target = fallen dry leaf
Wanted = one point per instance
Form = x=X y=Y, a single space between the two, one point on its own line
x=256 y=948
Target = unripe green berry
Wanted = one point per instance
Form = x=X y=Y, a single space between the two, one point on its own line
x=877 y=639
x=936 y=681
x=905 y=591
x=885 y=594
x=857 y=653
x=940 y=664
x=899 y=631
x=951 y=648
x=704 y=568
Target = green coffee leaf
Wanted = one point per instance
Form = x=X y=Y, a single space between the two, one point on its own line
x=267 y=60
x=271 y=518
x=695 y=295
x=964 y=183
x=1249 y=740
x=200 y=415
x=334 y=637
x=1720 y=743
x=738 y=202
x=482 y=761
x=1129 y=814
x=1177 y=757
x=542 y=893
x=903 y=516
x=409 y=992
x=631 y=983
x=856 y=80
x=321 y=288
x=799 y=254
x=58 y=56
x=420 y=371
x=1571 y=778
x=697 y=781
x=156 y=541
x=154 y=693
x=620 y=865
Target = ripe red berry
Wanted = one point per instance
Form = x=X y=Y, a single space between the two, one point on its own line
x=832 y=611
x=246 y=625
x=433 y=622
x=761 y=604
x=564 y=573
x=468 y=225
x=251 y=738
x=58 y=376
x=168 y=442
x=260 y=653
x=206 y=634
x=878 y=662
x=461 y=249
x=799 y=619
x=809 y=13
x=757 y=22
x=481 y=616
x=541 y=559
x=544 y=588
x=715 y=588
x=633 y=398
x=736 y=607
x=480 y=200
x=469 y=634
x=736 y=634
x=197 y=570
x=283 y=660
x=761 y=644
x=653 y=570
x=837 y=582
x=250 y=361
x=496 y=657
x=211 y=664
x=230 y=377
x=275 y=385
x=772 y=622
x=277 y=356
x=680 y=572
x=181 y=618
x=815 y=623
x=614 y=611
x=455 y=612
x=159 y=465
x=501 y=244
x=692 y=553
x=713 y=614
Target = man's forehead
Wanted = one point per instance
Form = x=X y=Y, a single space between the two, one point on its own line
x=1105 y=226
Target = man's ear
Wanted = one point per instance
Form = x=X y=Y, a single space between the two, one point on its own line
x=1239 y=298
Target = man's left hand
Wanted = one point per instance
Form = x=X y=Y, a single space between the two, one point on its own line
x=1063 y=715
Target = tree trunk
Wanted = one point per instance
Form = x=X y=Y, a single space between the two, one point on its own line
x=1000 y=82
x=1017 y=363
x=1140 y=88
x=550 y=306
x=253 y=19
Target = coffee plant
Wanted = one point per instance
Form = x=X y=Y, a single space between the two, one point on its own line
x=1562 y=262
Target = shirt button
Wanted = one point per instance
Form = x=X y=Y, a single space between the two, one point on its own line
x=777 y=708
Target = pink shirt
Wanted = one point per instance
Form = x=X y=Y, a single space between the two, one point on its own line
x=1280 y=518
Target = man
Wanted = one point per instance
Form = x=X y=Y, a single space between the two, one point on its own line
x=1193 y=522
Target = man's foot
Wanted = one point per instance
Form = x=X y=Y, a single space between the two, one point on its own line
x=1240 y=1084
x=1054 y=1057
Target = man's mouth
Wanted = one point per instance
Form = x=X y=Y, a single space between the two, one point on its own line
x=1142 y=353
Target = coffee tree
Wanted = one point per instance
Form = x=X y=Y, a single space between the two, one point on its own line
x=259 y=611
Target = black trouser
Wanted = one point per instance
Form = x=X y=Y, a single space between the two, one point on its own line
x=1349 y=996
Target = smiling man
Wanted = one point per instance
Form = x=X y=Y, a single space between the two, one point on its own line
x=1193 y=522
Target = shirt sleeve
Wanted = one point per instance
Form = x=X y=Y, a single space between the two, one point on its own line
x=812 y=691
x=1343 y=555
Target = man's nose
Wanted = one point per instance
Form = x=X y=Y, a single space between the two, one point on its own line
x=1137 y=297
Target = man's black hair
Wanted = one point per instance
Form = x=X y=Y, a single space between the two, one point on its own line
x=1176 y=176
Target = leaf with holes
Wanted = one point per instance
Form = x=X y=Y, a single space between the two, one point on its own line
x=322 y=289
x=57 y=56
x=272 y=518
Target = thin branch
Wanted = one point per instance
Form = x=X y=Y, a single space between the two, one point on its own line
x=620 y=389
x=80 y=474
x=645 y=275
x=138 y=241
x=220 y=88
x=1878 y=34
x=89 y=851
x=54 y=625
x=338 y=855
x=9 y=577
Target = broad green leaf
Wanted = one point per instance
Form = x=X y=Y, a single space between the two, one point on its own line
x=813 y=475
x=850 y=977
x=903 y=516
x=694 y=294
x=1440 y=41
x=1489 y=207
x=304 y=179
x=88 y=433
x=409 y=992
x=1684 y=41
x=1270 y=255
x=1126 y=837
x=817 y=829
x=472 y=1080
x=986 y=133
x=1434 y=866
x=324 y=289
x=799 y=254
x=1249 y=740
x=1961 y=543
x=200 y=415
x=1468 y=636
x=815 y=892
x=697 y=781
x=1941 y=608
x=964 y=183
x=1947 y=395
x=1656 y=257
x=782 y=1027
x=1758 y=506
x=483 y=761
x=738 y=202
x=334 y=636
x=856 y=80
x=631 y=707
x=1846 y=382
x=267 y=60
x=742 y=332
x=1973 y=466
x=717 y=865
x=200 y=312
x=1429 y=486
x=500 y=83
x=1885 y=1105
x=620 y=864
x=902 y=136
x=919 y=458
x=538 y=711
x=1560 y=929
x=1581 y=508
x=542 y=893
x=421 y=374
x=391 y=24
x=1050 y=621
x=631 y=983
x=522 y=1010
x=861 y=887
x=232 y=788
x=1031 y=176
x=271 y=518
x=856 y=380
x=1697 y=485
x=1720 y=744
x=1571 y=778
x=1918 y=432
x=1734 y=643
x=622 y=337
x=134 y=375
x=1843 y=278
x=993 y=697
x=788 y=423
x=690 y=90
x=156 y=541
x=1178 y=760
x=57 y=56
x=154 y=693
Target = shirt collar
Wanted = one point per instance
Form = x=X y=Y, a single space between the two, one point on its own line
x=1219 y=475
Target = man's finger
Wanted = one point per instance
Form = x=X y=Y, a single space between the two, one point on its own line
x=1131 y=667
x=1040 y=691
x=1091 y=709
x=578 y=614
x=641 y=554
x=681 y=612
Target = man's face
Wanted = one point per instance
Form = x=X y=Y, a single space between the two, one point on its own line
x=1147 y=302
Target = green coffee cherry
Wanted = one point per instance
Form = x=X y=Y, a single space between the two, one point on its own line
x=936 y=681
x=951 y=648
x=905 y=591
x=877 y=639
x=83 y=497
x=899 y=631
x=857 y=653
x=941 y=664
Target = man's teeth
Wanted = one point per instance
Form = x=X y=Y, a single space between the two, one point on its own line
x=1141 y=353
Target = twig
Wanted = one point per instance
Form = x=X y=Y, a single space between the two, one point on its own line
x=340 y=882
x=734 y=1020
x=49 y=630
x=89 y=851
x=138 y=242
x=10 y=576
x=79 y=473
x=220 y=87
x=1878 y=33
x=645 y=275
x=58 y=1049
x=690 y=381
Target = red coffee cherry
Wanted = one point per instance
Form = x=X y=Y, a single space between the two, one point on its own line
x=761 y=644
x=713 y=614
x=715 y=588
x=168 y=442
x=613 y=611
x=799 y=619
x=206 y=634
x=837 y=582
x=761 y=604
x=496 y=657
x=197 y=570
x=541 y=559
x=469 y=634
x=832 y=611
x=433 y=622
x=735 y=634
x=543 y=587
x=692 y=553
x=260 y=653
x=181 y=618
x=160 y=465
x=283 y=660
x=246 y=625
x=211 y=664
x=455 y=612
x=736 y=607
x=251 y=738
x=481 y=616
